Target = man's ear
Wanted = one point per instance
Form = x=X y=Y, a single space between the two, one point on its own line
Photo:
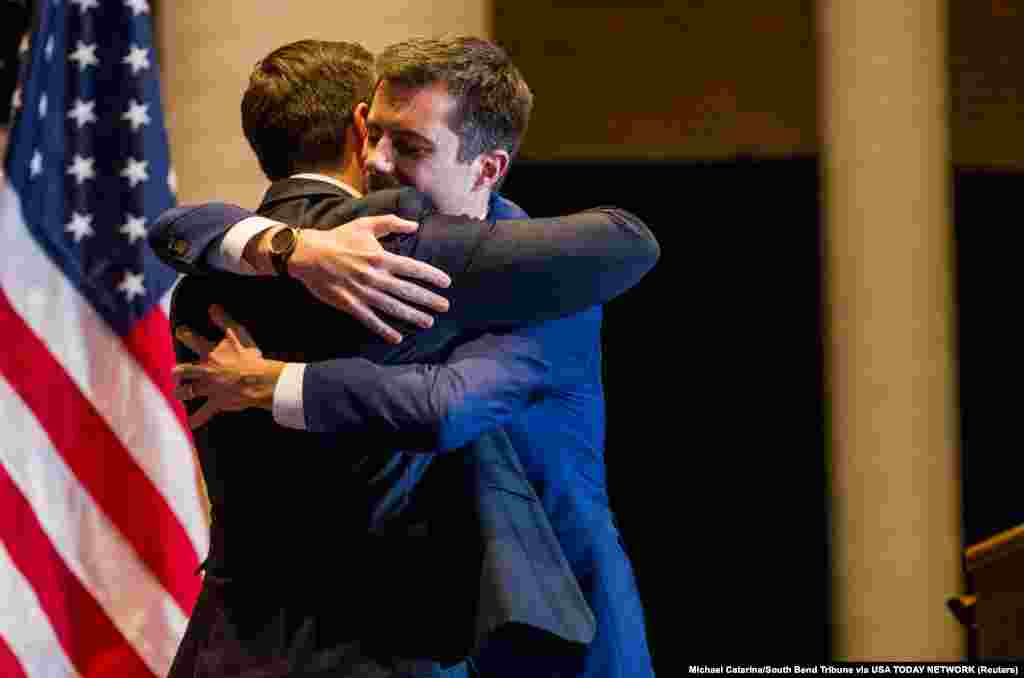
x=358 y=133
x=493 y=166
x=359 y=129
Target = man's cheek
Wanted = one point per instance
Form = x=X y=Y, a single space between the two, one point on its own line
x=415 y=176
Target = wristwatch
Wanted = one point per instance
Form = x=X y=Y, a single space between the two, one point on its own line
x=282 y=246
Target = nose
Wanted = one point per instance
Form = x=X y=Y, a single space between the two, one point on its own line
x=381 y=158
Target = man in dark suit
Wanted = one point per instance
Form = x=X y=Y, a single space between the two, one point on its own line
x=592 y=257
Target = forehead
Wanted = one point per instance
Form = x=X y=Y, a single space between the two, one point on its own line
x=412 y=108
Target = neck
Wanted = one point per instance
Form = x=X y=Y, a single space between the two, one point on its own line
x=352 y=173
x=349 y=173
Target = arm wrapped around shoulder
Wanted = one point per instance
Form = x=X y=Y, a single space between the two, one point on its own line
x=636 y=253
x=524 y=271
x=429 y=408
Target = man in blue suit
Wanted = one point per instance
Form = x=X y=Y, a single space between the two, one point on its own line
x=423 y=132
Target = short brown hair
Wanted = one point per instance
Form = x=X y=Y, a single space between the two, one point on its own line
x=299 y=101
x=493 y=102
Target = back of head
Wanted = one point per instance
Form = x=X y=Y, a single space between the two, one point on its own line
x=493 y=100
x=299 y=101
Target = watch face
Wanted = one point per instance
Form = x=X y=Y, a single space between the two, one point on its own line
x=282 y=240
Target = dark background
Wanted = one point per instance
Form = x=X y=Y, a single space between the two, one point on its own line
x=986 y=215
x=713 y=376
x=717 y=448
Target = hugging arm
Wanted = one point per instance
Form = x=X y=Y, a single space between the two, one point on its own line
x=182 y=236
x=525 y=271
x=484 y=384
x=416 y=407
x=505 y=273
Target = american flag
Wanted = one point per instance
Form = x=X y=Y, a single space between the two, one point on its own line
x=101 y=521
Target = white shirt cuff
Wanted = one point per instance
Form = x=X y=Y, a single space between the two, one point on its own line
x=227 y=256
x=287 y=406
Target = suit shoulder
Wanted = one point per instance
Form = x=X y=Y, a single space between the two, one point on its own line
x=311 y=211
x=306 y=202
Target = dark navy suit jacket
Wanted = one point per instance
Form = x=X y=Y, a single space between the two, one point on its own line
x=523 y=577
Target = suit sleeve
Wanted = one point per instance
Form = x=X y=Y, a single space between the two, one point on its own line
x=525 y=271
x=505 y=273
x=181 y=236
x=435 y=408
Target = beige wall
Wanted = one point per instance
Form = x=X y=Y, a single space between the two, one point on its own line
x=644 y=79
x=687 y=79
x=693 y=79
x=986 y=63
x=207 y=50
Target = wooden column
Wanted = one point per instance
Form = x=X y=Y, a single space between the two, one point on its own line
x=894 y=457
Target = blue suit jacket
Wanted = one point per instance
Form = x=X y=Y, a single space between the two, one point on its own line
x=523 y=577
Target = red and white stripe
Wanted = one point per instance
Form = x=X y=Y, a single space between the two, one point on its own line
x=101 y=522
